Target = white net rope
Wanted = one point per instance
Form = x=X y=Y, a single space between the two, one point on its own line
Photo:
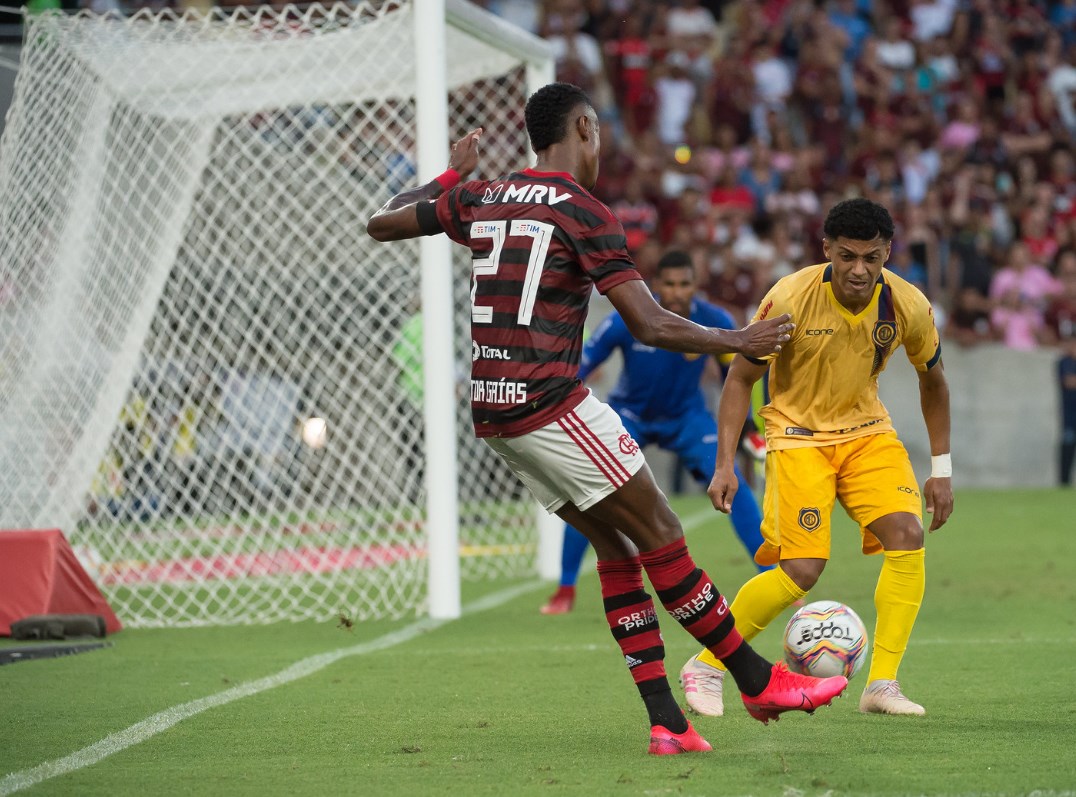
x=185 y=280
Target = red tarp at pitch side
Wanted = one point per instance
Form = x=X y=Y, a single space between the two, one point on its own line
x=39 y=574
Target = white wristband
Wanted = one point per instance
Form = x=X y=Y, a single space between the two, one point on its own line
x=941 y=467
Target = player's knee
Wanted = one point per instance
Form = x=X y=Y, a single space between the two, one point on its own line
x=669 y=532
x=804 y=572
x=613 y=547
x=658 y=530
x=908 y=537
x=905 y=534
x=899 y=531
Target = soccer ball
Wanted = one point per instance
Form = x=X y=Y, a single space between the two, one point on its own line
x=825 y=638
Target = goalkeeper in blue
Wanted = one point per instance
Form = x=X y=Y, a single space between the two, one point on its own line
x=659 y=400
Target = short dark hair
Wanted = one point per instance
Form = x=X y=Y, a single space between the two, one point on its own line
x=858 y=219
x=675 y=258
x=547 y=113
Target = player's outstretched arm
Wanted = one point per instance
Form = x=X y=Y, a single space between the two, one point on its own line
x=652 y=325
x=397 y=218
x=735 y=403
x=934 y=400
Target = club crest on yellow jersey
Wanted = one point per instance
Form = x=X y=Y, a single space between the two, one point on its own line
x=810 y=518
x=884 y=332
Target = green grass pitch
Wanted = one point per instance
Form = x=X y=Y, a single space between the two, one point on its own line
x=507 y=702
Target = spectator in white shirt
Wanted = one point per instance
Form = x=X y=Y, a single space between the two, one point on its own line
x=895 y=51
x=688 y=19
x=932 y=18
x=676 y=98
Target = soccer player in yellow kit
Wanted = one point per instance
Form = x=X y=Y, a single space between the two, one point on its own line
x=829 y=437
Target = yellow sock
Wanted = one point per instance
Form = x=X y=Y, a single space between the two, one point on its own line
x=757 y=603
x=897 y=598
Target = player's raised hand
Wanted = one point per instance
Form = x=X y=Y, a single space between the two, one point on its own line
x=763 y=338
x=722 y=489
x=464 y=157
x=397 y=219
x=938 y=492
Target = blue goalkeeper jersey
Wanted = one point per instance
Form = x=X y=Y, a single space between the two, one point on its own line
x=655 y=384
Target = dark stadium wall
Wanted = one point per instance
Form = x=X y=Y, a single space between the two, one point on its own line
x=9 y=59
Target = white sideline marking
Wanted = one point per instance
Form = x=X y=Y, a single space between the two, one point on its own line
x=163 y=720
x=692 y=522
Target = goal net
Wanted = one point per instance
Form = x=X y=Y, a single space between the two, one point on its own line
x=210 y=377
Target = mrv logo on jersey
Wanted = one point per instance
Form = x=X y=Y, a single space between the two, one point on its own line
x=532 y=194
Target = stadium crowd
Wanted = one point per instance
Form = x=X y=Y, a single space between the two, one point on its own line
x=732 y=127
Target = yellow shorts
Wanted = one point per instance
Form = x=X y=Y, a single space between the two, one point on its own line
x=871 y=476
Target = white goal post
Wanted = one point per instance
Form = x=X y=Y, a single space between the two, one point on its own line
x=211 y=379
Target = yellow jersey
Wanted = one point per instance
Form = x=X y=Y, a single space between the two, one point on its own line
x=823 y=384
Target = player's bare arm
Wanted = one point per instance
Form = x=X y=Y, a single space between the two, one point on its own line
x=733 y=409
x=397 y=219
x=934 y=400
x=653 y=325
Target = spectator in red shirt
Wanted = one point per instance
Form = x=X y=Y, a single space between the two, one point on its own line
x=630 y=57
x=730 y=94
x=1036 y=236
x=688 y=212
x=637 y=214
x=729 y=194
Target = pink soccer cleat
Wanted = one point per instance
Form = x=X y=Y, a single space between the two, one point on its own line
x=562 y=601
x=789 y=691
x=665 y=742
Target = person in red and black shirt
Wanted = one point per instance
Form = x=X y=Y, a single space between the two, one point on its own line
x=539 y=242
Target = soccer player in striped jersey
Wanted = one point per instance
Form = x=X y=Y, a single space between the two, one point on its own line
x=539 y=242
x=829 y=438
x=659 y=400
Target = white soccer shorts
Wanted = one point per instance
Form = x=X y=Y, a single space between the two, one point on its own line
x=580 y=458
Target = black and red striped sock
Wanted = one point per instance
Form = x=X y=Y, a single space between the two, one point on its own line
x=689 y=595
x=634 y=623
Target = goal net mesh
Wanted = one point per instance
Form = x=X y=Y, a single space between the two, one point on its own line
x=185 y=281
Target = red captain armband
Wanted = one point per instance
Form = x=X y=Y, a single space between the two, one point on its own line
x=447 y=179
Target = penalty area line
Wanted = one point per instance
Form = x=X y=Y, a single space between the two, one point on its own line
x=163 y=720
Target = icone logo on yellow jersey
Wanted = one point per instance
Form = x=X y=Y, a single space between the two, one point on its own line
x=817 y=332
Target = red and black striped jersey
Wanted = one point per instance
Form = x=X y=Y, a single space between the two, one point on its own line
x=538 y=243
